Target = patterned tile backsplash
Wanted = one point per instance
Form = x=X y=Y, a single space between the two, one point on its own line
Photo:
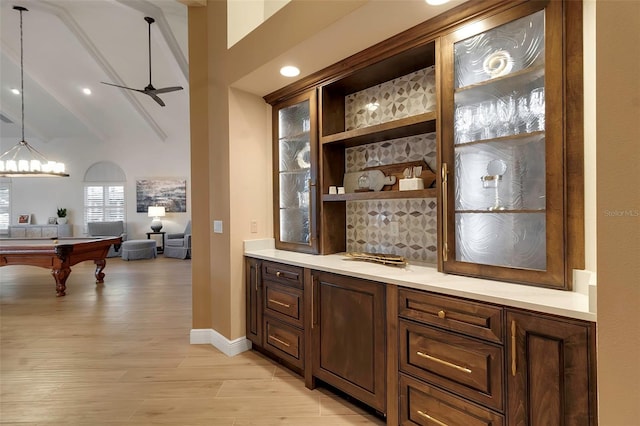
x=405 y=96
x=405 y=227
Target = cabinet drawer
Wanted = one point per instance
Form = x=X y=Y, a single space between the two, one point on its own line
x=463 y=365
x=284 y=341
x=472 y=318
x=283 y=274
x=284 y=303
x=421 y=404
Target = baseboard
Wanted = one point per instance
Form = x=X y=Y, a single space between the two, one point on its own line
x=208 y=336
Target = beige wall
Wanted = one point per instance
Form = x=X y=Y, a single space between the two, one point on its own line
x=220 y=138
x=618 y=210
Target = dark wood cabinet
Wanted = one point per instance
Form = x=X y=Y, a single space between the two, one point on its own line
x=253 y=282
x=509 y=149
x=348 y=332
x=550 y=371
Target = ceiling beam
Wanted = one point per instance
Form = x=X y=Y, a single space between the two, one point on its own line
x=102 y=62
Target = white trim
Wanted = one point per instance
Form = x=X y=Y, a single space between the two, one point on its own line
x=204 y=336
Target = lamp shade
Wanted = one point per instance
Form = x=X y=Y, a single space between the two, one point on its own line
x=156 y=211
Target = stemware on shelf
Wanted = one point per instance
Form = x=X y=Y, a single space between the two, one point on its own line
x=537 y=106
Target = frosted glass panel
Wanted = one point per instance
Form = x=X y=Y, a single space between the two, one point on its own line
x=294 y=172
x=521 y=185
x=500 y=51
x=515 y=240
x=294 y=225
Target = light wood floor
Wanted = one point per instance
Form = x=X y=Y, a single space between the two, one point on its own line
x=119 y=353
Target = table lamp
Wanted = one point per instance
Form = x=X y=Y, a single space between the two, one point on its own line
x=156 y=212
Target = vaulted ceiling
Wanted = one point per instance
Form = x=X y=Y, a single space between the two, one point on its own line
x=70 y=45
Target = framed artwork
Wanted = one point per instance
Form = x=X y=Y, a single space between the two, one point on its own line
x=170 y=193
x=24 y=219
x=52 y=221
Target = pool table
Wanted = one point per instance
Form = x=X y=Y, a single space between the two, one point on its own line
x=58 y=254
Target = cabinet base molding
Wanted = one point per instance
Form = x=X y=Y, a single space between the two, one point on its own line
x=208 y=336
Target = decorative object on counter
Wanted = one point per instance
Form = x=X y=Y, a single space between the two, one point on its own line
x=23 y=160
x=24 y=219
x=382 y=258
x=62 y=216
x=52 y=220
x=156 y=212
x=495 y=170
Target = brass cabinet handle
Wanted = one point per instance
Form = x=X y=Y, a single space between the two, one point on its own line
x=445 y=195
x=278 y=274
x=513 y=348
x=436 y=421
x=282 y=342
x=443 y=362
x=442 y=314
x=277 y=302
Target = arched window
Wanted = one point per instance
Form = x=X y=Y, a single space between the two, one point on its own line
x=104 y=197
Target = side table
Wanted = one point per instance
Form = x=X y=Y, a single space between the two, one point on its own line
x=160 y=248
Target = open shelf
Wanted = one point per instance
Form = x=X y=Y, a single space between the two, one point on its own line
x=380 y=195
x=403 y=127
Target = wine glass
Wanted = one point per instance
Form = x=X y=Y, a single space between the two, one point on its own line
x=486 y=115
x=525 y=118
x=506 y=108
x=464 y=122
x=537 y=106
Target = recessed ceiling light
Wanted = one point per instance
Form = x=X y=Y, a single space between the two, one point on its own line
x=289 y=71
x=436 y=2
x=86 y=91
x=15 y=91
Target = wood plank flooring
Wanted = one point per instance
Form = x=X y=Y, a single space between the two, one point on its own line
x=119 y=354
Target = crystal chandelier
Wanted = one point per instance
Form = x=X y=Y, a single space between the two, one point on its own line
x=23 y=160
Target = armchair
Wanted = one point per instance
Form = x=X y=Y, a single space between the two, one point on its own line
x=108 y=229
x=179 y=245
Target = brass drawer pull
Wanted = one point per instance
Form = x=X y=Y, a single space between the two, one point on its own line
x=442 y=314
x=436 y=421
x=286 y=305
x=282 y=342
x=443 y=362
x=278 y=274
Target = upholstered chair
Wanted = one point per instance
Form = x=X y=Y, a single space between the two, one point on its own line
x=179 y=245
x=108 y=229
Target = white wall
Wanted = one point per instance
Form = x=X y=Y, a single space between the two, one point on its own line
x=140 y=158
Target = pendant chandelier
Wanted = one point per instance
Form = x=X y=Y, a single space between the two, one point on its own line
x=23 y=160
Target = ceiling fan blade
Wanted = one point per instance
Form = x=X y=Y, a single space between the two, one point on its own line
x=154 y=97
x=167 y=89
x=122 y=87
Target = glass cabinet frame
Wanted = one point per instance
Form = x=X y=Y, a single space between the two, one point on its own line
x=295 y=164
x=562 y=241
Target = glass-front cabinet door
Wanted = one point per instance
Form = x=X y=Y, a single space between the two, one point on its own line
x=502 y=178
x=295 y=165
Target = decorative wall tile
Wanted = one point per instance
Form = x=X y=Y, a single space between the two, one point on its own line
x=370 y=229
x=412 y=148
x=405 y=96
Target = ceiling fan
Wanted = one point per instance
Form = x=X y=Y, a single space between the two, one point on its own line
x=150 y=90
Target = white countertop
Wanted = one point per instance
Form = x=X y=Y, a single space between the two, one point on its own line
x=423 y=277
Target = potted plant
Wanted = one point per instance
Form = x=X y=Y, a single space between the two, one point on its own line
x=62 y=216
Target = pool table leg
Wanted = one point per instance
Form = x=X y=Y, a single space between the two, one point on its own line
x=100 y=264
x=61 y=275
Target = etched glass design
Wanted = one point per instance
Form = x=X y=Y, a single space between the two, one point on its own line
x=502 y=239
x=499 y=146
x=503 y=50
x=294 y=173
